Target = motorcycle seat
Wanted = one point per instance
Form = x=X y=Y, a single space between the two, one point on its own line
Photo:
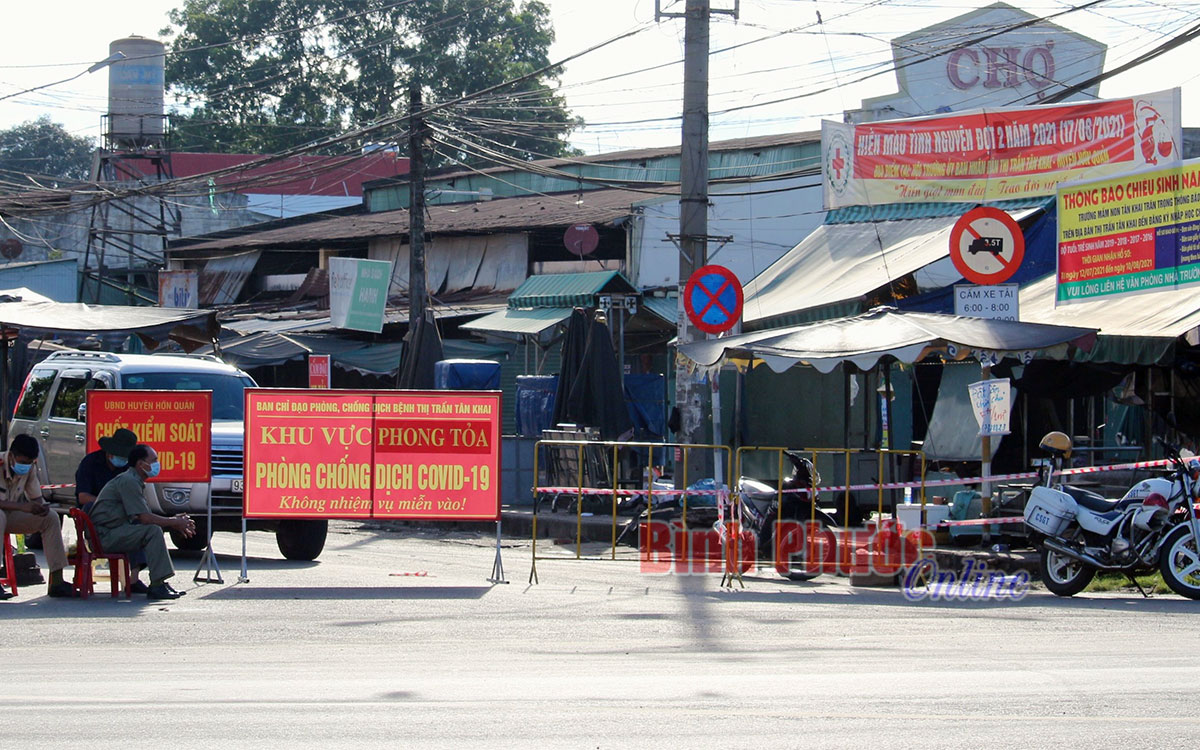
x=1095 y=502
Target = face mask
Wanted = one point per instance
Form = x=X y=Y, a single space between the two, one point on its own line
x=119 y=462
x=21 y=469
x=154 y=469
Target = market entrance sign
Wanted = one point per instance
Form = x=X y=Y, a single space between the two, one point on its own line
x=177 y=424
x=712 y=299
x=358 y=293
x=1139 y=232
x=987 y=245
x=428 y=455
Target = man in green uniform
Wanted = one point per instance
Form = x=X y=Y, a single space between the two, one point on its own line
x=125 y=524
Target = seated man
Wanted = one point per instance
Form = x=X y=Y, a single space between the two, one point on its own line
x=22 y=511
x=100 y=466
x=96 y=470
x=125 y=524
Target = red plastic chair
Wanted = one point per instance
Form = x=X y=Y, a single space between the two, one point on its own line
x=87 y=549
x=10 y=570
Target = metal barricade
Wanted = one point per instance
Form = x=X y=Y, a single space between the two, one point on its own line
x=845 y=455
x=579 y=487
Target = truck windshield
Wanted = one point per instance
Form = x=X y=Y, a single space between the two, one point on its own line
x=227 y=389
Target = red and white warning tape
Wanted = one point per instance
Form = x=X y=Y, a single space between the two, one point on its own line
x=57 y=486
x=854 y=487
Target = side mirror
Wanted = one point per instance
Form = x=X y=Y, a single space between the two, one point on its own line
x=81 y=414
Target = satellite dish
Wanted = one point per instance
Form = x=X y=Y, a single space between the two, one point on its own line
x=11 y=248
x=581 y=239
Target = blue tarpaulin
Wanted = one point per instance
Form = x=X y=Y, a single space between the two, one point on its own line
x=466 y=375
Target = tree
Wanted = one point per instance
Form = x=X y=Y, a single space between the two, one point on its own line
x=39 y=152
x=267 y=75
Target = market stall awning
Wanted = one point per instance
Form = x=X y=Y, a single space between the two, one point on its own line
x=76 y=322
x=531 y=322
x=1166 y=314
x=887 y=332
x=569 y=289
x=840 y=262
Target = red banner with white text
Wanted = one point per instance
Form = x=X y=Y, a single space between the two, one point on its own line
x=372 y=454
x=997 y=154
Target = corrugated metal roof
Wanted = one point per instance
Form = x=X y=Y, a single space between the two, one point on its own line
x=590 y=207
x=898 y=211
x=222 y=279
x=526 y=322
x=317 y=321
x=733 y=144
x=568 y=289
x=666 y=308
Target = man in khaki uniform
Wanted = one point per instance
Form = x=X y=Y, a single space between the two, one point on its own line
x=125 y=524
x=22 y=510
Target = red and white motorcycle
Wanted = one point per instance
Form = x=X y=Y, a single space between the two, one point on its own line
x=1152 y=526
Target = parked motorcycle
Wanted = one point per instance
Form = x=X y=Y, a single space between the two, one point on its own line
x=755 y=507
x=1153 y=525
x=759 y=506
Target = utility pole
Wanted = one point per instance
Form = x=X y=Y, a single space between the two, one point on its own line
x=416 y=206
x=693 y=199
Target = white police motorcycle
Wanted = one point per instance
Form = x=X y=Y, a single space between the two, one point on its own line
x=1080 y=532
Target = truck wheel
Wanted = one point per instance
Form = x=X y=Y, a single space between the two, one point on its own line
x=196 y=542
x=301 y=540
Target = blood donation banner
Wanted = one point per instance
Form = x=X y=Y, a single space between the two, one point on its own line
x=997 y=154
x=177 y=424
x=1136 y=233
x=372 y=454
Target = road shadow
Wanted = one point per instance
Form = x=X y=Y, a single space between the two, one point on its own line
x=186 y=561
x=799 y=593
x=42 y=607
x=249 y=592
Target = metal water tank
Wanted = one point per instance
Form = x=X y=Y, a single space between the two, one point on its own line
x=135 y=93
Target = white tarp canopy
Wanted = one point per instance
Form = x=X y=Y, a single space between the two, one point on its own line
x=840 y=262
x=887 y=332
x=1163 y=314
x=75 y=322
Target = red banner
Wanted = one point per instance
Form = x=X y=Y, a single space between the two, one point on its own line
x=177 y=424
x=996 y=154
x=318 y=371
x=372 y=454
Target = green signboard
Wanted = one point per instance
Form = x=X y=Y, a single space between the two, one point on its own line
x=358 y=293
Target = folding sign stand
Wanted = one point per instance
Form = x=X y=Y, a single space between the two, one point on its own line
x=498 y=566
x=245 y=576
x=209 y=556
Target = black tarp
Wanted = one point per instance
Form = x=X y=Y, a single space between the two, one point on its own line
x=595 y=397
x=573 y=344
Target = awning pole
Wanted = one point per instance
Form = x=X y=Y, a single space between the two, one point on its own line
x=986 y=467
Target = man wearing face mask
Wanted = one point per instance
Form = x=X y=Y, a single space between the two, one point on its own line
x=23 y=512
x=125 y=524
x=97 y=469
x=100 y=467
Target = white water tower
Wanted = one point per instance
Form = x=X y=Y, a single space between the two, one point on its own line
x=135 y=93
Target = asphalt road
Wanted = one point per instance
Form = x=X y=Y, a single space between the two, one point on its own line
x=398 y=639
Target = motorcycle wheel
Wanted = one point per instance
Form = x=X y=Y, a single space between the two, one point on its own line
x=1180 y=563
x=1064 y=576
x=796 y=570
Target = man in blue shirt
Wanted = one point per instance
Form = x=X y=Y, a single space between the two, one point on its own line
x=100 y=466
